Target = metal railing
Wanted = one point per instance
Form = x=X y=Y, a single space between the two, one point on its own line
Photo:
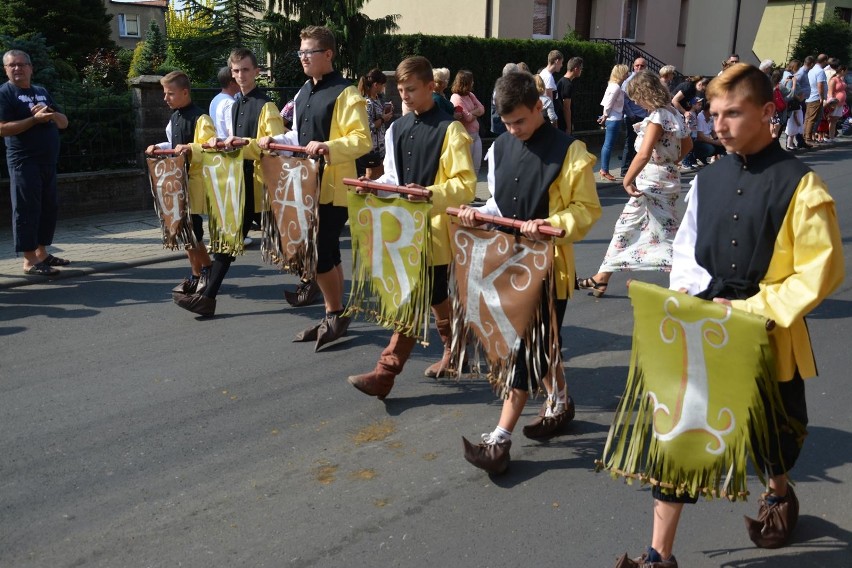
x=627 y=52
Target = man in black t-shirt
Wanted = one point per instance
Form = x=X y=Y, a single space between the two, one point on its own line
x=30 y=124
x=564 y=95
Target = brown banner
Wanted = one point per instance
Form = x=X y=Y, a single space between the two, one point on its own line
x=290 y=213
x=169 y=189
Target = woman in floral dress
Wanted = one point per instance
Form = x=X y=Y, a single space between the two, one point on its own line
x=646 y=228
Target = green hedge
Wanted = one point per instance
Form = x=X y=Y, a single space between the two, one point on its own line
x=485 y=57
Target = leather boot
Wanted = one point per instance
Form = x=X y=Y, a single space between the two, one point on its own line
x=330 y=329
x=203 y=280
x=196 y=303
x=309 y=334
x=306 y=293
x=442 y=322
x=379 y=381
x=490 y=456
x=775 y=521
x=187 y=286
x=544 y=426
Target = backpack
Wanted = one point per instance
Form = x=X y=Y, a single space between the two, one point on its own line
x=780 y=103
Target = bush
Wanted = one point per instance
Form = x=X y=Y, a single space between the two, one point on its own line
x=832 y=36
x=485 y=58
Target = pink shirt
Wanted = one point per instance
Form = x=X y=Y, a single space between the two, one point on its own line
x=469 y=103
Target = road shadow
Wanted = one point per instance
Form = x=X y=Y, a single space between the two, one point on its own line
x=816 y=542
x=451 y=392
x=832 y=308
x=522 y=471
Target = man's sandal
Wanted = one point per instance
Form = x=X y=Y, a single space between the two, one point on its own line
x=598 y=288
x=41 y=269
x=56 y=261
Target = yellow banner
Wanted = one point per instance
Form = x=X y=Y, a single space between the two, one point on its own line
x=390 y=276
x=694 y=402
x=225 y=191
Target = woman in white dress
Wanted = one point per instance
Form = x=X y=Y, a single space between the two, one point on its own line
x=644 y=232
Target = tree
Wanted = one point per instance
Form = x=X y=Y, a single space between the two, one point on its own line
x=149 y=55
x=185 y=32
x=832 y=36
x=73 y=29
x=35 y=46
x=343 y=17
x=224 y=25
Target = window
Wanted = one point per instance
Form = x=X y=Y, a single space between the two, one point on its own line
x=844 y=14
x=128 y=25
x=629 y=18
x=543 y=19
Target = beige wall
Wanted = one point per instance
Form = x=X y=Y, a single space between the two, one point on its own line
x=710 y=33
x=433 y=17
x=146 y=14
x=780 y=27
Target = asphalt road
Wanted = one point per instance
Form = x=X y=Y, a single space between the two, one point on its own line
x=134 y=434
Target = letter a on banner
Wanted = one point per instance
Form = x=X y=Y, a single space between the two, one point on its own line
x=503 y=293
x=169 y=189
x=390 y=277
x=692 y=413
x=290 y=213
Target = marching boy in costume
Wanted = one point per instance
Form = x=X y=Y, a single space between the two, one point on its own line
x=188 y=124
x=543 y=176
x=427 y=149
x=329 y=120
x=253 y=116
x=760 y=234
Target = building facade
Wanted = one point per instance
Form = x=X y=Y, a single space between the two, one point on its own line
x=693 y=35
x=131 y=19
x=784 y=19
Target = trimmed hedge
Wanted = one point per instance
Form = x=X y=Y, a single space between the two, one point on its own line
x=485 y=57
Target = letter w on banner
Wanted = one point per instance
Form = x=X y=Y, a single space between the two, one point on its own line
x=225 y=192
x=169 y=188
x=503 y=293
x=290 y=213
x=692 y=413
x=391 y=284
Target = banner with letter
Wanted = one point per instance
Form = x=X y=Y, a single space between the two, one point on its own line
x=503 y=292
x=225 y=192
x=171 y=202
x=289 y=220
x=391 y=282
x=692 y=413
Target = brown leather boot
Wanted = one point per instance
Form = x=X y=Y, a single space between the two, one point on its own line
x=306 y=293
x=544 y=426
x=443 y=368
x=488 y=455
x=379 y=381
x=775 y=521
x=331 y=329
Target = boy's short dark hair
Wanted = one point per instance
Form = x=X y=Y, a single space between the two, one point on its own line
x=242 y=53
x=746 y=80
x=323 y=36
x=574 y=63
x=514 y=90
x=225 y=77
x=177 y=78
x=417 y=67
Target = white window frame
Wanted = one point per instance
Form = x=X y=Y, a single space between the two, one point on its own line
x=122 y=25
x=625 y=23
x=552 y=21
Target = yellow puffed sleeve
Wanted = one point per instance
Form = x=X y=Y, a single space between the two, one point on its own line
x=204 y=131
x=574 y=206
x=349 y=139
x=806 y=267
x=269 y=123
x=455 y=185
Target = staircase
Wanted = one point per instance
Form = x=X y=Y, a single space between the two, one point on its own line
x=626 y=52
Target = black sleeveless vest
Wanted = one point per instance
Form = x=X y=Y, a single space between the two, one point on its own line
x=525 y=170
x=742 y=202
x=417 y=143
x=183 y=124
x=315 y=107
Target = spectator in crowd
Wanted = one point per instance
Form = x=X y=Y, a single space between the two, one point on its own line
x=690 y=119
x=633 y=114
x=554 y=66
x=372 y=86
x=471 y=110
x=831 y=68
x=731 y=60
x=780 y=104
x=441 y=75
x=795 y=124
x=30 y=123
x=803 y=91
x=643 y=235
x=497 y=126
x=220 y=107
x=707 y=147
x=546 y=102
x=613 y=115
x=837 y=90
x=818 y=91
x=667 y=75
x=767 y=66
x=524 y=67
x=693 y=87
x=564 y=99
